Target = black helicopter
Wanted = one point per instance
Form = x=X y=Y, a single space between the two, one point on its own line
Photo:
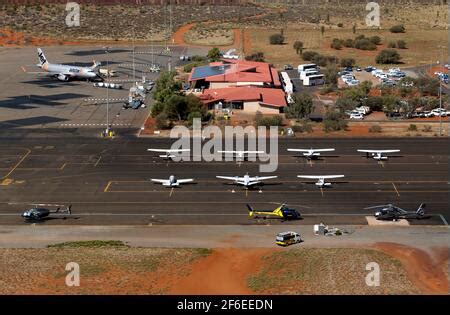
x=39 y=213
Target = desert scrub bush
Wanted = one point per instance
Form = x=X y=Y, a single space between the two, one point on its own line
x=398 y=29
x=427 y=128
x=375 y=129
x=412 y=127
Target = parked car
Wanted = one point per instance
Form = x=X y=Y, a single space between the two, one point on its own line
x=439 y=112
x=356 y=115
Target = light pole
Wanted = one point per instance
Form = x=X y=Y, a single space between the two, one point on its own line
x=440 y=105
x=440 y=108
x=107 y=91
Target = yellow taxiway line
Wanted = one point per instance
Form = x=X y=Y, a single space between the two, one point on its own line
x=17 y=165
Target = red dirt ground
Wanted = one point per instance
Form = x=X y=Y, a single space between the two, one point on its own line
x=428 y=273
x=225 y=271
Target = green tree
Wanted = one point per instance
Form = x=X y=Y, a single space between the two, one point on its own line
x=301 y=106
x=331 y=76
x=334 y=121
x=347 y=62
x=214 y=54
x=276 y=39
x=298 y=46
x=388 y=56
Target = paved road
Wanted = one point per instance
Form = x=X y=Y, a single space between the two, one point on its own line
x=216 y=236
x=107 y=181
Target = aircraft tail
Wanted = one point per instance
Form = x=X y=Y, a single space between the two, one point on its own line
x=250 y=210
x=421 y=210
x=95 y=65
x=42 y=60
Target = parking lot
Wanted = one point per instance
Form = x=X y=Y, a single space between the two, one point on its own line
x=34 y=100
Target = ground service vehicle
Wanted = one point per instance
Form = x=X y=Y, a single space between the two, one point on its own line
x=288 y=238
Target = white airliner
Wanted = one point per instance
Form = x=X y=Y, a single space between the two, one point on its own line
x=378 y=154
x=247 y=181
x=310 y=153
x=172 y=181
x=169 y=153
x=66 y=72
x=241 y=154
x=321 y=179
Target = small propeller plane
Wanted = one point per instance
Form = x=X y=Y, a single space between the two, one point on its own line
x=378 y=154
x=247 y=181
x=282 y=212
x=172 y=181
x=392 y=212
x=38 y=212
x=170 y=154
x=311 y=153
x=321 y=179
x=241 y=155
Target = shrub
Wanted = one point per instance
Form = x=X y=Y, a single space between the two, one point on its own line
x=340 y=25
x=427 y=128
x=334 y=121
x=276 y=39
x=376 y=40
x=309 y=55
x=392 y=45
x=336 y=44
x=189 y=66
x=397 y=29
x=259 y=56
x=401 y=44
x=412 y=127
x=348 y=43
x=388 y=56
x=162 y=121
x=320 y=60
x=347 y=62
x=260 y=120
x=364 y=44
x=375 y=129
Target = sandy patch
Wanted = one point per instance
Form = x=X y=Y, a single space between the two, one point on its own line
x=428 y=272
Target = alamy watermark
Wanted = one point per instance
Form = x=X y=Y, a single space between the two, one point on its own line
x=373 y=277
x=373 y=17
x=73 y=15
x=73 y=277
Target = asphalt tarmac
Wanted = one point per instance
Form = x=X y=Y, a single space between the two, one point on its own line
x=107 y=181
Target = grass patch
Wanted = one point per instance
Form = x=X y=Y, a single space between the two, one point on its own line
x=328 y=271
x=89 y=244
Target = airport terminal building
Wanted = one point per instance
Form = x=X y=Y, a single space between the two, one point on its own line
x=237 y=84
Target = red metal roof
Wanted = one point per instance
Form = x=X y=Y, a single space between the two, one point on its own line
x=266 y=96
x=242 y=71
